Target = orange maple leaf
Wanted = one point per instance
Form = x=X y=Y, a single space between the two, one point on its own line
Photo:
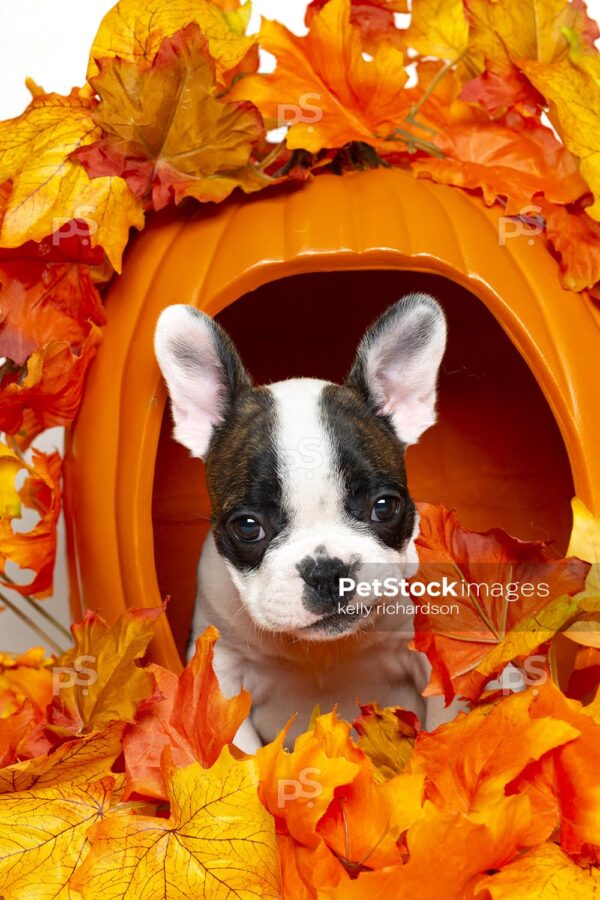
x=34 y=550
x=515 y=159
x=323 y=86
x=458 y=643
x=47 y=391
x=190 y=716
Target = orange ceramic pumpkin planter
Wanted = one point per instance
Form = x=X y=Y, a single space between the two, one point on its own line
x=295 y=275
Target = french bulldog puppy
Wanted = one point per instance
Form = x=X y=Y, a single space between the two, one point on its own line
x=308 y=489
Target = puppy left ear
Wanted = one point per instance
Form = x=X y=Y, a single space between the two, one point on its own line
x=397 y=363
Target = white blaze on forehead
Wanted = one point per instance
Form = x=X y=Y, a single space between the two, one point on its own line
x=311 y=485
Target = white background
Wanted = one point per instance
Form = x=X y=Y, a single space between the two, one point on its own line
x=49 y=41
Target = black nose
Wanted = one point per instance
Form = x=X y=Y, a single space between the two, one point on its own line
x=323 y=574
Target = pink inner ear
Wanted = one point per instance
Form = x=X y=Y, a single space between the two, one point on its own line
x=190 y=362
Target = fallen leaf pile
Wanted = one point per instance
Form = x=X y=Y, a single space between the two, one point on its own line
x=122 y=779
x=496 y=98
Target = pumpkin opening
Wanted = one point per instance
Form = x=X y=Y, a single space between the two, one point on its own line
x=496 y=454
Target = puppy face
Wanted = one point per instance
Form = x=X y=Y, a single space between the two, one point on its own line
x=307 y=478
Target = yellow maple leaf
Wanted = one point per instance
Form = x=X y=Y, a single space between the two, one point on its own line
x=134 y=30
x=545 y=873
x=572 y=89
x=10 y=499
x=43 y=835
x=48 y=189
x=324 y=88
x=174 y=134
x=585 y=541
x=438 y=28
x=218 y=842
x=80 y=761
x=504 y=32
x=102 y=682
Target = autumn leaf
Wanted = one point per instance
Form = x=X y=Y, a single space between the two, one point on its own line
x=446 y=851
x=458 y=643
x=387 y=736
x=26 y=676
x=78 y=761
x=575 y=238
x=190 y=716
x=48 y=390
x=307 y=871
x=516 y=160
x=545 y=873
x=166 y=130
x=374 y=18
x=35 y=549
x=41 y=301
x=49 y=189
x=43 y=835
x=576 y=773
x=109 y=685
x=324 y=88
x=134 y=30
x=468 y=763
x=298 y=786
x=585 y=542
x=218 y=841
x=505 y=33
x=572 y=90
x=438 y=28
x=366 y=818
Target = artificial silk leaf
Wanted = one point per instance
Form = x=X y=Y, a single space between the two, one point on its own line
x=102 y=683
x=42 y=301
x=47 y=391
x=472 y=844
x=438 y=28
x=504 y=33
x=387 y=736
x=585 y=542
x=79 y=761
x=27 y=676
x=468 y=763
x=49 y=189
x=575 y=238
x=298 y=786
x=166 y=130
x=191 y=717
x=219 y=841
x=544 y=873
x=16 y=730
x=366 y=818
x=516 y=160
x=529 y=634
x=576 y=772
x=34 y=550
x=374 y=18
x=135 y=29
x=484 y=568
x=43 y=835
x=572 y=89
x=324 y=88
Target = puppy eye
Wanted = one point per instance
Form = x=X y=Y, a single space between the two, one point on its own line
x=247 y=529
x=385 y=508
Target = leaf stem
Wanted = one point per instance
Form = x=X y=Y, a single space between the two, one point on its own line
x=38 y=606
x=31 y=624
x=429 y=91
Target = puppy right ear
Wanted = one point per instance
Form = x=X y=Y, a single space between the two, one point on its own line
x=202 y=370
